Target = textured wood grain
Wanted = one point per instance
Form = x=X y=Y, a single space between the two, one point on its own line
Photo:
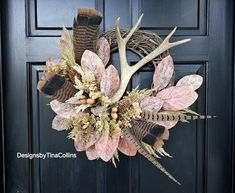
x=177 y=97
x=90 y=62
x=110 y=81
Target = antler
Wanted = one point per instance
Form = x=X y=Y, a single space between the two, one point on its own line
x=127 y=71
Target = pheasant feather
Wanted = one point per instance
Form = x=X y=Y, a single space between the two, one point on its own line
x=145 y=153
x=153 y=116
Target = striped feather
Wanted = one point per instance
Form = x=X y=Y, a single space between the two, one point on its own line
x=56 y=87
x=67 y=91
x=141 y=149
x=85 y=31
x=149 y=132
x=151 y=116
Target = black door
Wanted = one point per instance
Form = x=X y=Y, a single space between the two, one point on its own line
x=202 y=150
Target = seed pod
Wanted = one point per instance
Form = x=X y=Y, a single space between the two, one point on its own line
x=114 y=110
x=114 y=115
x=90 y=101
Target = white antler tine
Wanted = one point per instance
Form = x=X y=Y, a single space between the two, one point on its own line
x=173 y=44
x=126 y=70
x=127 y=38
x=117 y=31
x=170 y=35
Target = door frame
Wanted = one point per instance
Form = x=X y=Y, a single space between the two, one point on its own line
x=2 y=152
x=2 y=160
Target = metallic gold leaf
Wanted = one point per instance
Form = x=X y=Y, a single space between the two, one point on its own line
x=103 y=50
x=177 y=97
x=163 y=73
x=110 y=81
x=151 y=103
x=193 y=81
x=90 y=62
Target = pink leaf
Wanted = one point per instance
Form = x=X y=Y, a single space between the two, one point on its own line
x=58 y=123
x=110 y=81
x=151 y=103
x=177 y=97
x=90 y=62
x=106 y=147
x=81 y=145
x=103 y=50
x=193 y=81
x=52 y=62
x=91 y=153
x=65 y=110
x=163 y=73
x=127 y=147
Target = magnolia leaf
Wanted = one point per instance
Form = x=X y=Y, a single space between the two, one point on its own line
x=58 y=123
x=91 y=153
x=106 y=146
x=177 y=97
x=193 y=81
x=65 y=110
x=81 y=145
x=163 y=73
x=151 y=103
x=127 y=147
x=103 y=50
x=90 y=62
x=110 y=81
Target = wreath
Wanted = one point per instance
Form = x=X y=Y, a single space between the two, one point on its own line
x=89 y=95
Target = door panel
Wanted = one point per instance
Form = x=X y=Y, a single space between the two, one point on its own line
x=201 y=150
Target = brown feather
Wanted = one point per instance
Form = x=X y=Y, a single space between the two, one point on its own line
x=56 y=87
x=155 y=116
x=141 y=149
x=85 y=31
x=148 y=131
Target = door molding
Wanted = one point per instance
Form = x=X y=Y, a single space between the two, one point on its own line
x=233 y=132
x=2 y=160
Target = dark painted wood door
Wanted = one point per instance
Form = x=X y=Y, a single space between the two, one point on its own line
x=202 y=150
